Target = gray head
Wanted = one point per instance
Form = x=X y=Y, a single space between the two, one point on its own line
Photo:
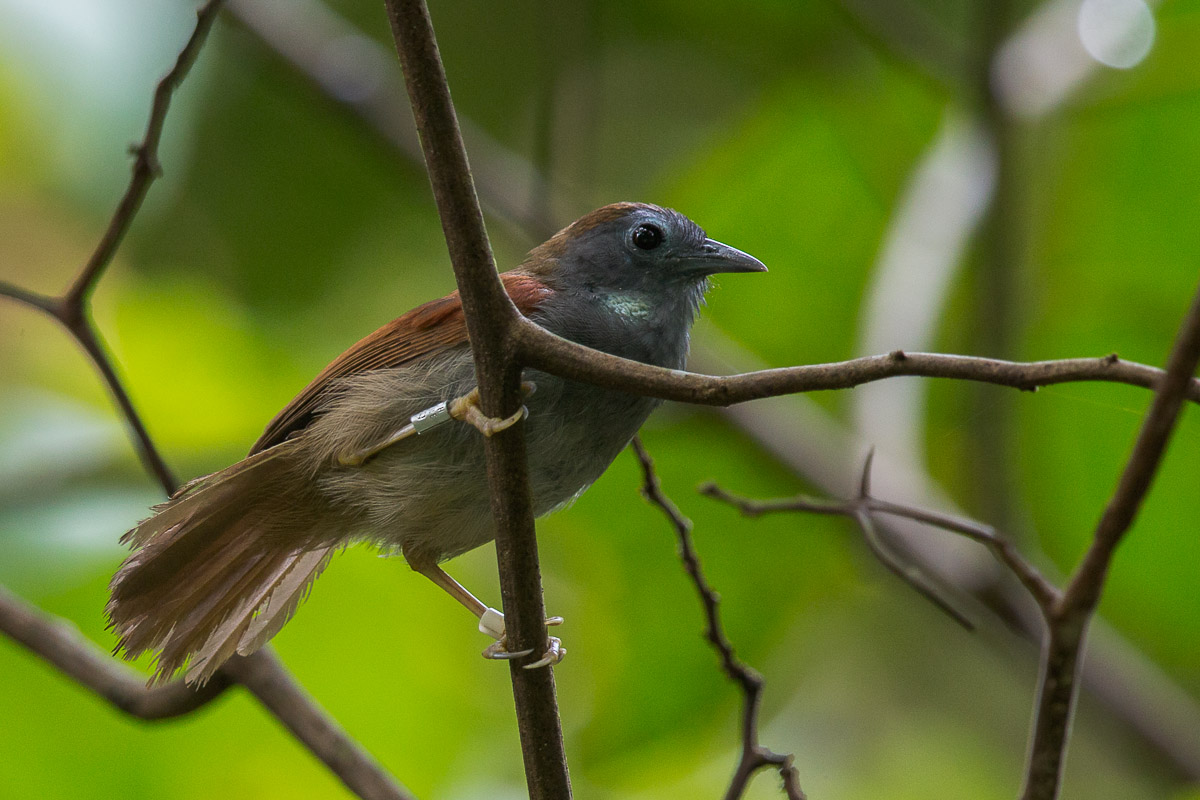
x=629 y=278
x=635 y=247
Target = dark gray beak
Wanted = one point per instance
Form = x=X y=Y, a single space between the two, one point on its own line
x=713 y=257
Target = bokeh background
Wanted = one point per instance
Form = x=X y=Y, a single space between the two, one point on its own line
x=1011 y=178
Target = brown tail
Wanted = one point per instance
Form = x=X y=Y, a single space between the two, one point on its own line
x=210 y=574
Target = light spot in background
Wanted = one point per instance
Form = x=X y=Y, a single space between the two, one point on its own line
x=1117 y=33
x=1062 y=44
x=83 y=71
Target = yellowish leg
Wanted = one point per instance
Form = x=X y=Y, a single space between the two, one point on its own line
x=491 y=621
x=466 y=409
x=358 y=458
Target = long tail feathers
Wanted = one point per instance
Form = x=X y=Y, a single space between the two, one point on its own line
x=211 y=575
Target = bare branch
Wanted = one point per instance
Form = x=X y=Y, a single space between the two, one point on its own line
x=1069 y=619
x=541 y=349
x=1068 y=613
x=1143 y=462
x=62 y=645
x=33 y=299
x=490 y=316
x=754 y=756
x=88 y=338
x=70 y=308
x=55 y=640
x=267 y=679
x=145 y=165
x=862 y=508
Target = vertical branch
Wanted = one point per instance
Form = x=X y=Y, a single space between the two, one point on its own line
x=490 y=319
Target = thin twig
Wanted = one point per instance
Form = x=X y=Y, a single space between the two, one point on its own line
x=71 y=307
x=1068 y=620
x=489 y=316
x=32 y=299
x=754 y=756
x=1067 y=613
x=59 y=643
x=145 y=164
x=863 y=507
x=89 y=340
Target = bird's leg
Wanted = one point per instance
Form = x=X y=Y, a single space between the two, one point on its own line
x=491 y=621
x=466 y=409
x=359 y=457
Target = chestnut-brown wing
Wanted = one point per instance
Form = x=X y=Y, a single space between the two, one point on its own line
x=436 y=325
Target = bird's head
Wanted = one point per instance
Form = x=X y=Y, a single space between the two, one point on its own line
x=635 y=248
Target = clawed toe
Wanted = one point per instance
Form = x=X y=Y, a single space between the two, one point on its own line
x=498 y=651
x=466 y=409
x=554 y=654
x=492 y=623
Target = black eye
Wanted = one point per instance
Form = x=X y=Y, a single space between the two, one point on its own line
x=647 y=237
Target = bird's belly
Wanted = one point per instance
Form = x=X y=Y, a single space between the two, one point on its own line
x=428 y=494
x=574 y=432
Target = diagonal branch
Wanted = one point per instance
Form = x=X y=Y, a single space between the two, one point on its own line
x=262 y=674
x=490 y=316
x=1067 y=613
x=145 y=165
x=53 y=639
x=1143 y=462
x=754 y=756
x=62 y=645
x=1069 y=619
x=71 y=307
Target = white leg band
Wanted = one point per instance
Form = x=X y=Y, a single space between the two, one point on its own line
x=491 y=622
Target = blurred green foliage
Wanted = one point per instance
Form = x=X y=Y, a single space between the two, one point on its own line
x=281 y=233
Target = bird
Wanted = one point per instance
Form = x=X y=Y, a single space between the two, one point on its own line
x=384 y=446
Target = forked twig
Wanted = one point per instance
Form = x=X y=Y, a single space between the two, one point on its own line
x=54 y=639
x=71 y=307
x=754 y=756
x=1068 y=619
x=861 y=508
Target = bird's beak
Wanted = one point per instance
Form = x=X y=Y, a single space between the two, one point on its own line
x=712 y=257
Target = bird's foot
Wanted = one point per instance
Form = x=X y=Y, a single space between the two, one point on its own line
x=466 y=409
x=492 y=623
